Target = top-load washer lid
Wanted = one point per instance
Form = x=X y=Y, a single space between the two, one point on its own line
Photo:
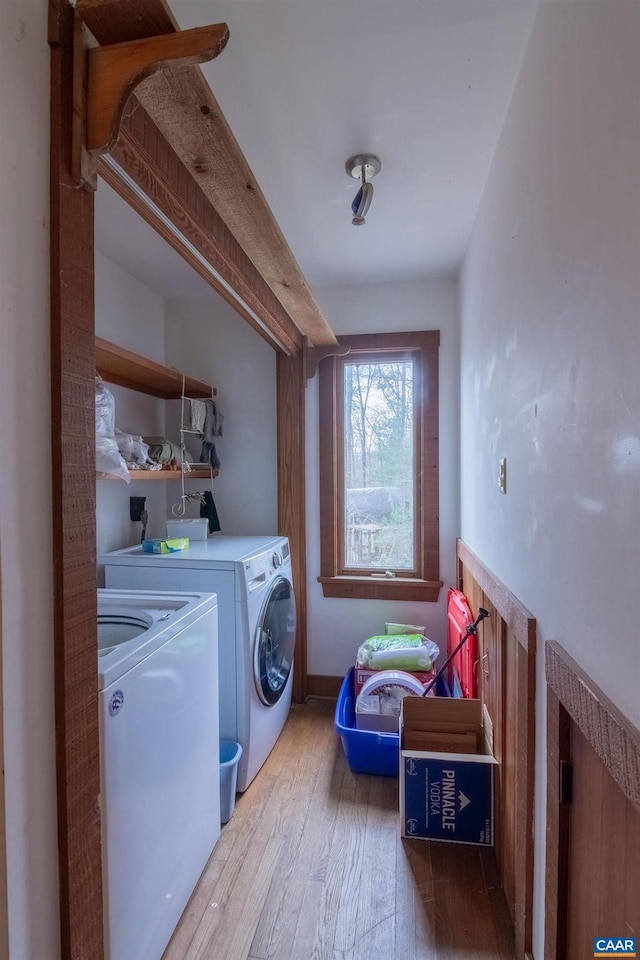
x=132 y=624
x=119 y=625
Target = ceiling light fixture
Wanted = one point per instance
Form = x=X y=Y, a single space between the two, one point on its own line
x=362 y=167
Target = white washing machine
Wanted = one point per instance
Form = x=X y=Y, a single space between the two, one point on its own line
x=159 y=761
x=256 y=627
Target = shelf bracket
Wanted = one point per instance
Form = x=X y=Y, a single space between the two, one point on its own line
x=105 y=77
x=313 y=356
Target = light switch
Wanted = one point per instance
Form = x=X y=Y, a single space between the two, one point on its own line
x=502 y=475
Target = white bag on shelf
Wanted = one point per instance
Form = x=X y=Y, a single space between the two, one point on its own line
x=108 y=457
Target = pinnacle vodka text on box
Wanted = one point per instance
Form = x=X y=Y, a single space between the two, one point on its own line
x=446 y=797
x=614 y=946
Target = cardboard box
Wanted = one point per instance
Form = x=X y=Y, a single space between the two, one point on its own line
x=447 y=796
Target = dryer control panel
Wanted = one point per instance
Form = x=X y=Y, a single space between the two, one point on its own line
x=260 y=570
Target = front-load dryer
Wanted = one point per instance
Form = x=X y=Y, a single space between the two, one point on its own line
x=160 y=800
x=256 y=627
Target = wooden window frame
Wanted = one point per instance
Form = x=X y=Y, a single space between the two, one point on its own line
x=424 y=582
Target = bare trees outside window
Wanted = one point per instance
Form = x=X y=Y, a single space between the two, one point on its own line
x=379 y=464
x=379 y=506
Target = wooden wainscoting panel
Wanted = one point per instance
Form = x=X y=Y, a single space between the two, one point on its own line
x=632 y=888
x=513 y=819
x=585 y=841
x=524 y=721
x=615 y=814
x=613 y=737
x=491 y=692
x=593 y=841
x=604 y=835
x=506 y=684
x=557 y=840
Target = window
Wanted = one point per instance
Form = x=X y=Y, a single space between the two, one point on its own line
x=379 y=468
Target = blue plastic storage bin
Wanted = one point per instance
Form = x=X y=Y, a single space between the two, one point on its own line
x=230 y=753
x=367 y=751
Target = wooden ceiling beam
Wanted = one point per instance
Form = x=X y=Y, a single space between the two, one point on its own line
x=187 y=113
x=104 y=78
x=180 y=103
x=143 y=154
x=114 y=71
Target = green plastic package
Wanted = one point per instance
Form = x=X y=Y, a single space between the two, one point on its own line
x=404 y=651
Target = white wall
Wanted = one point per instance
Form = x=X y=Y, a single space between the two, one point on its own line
x=131 y=315
x=25 y=482
x=336 y=627
x=550 y=351
x=206 y=339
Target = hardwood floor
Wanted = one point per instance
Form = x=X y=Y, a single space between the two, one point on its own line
x=312 y=867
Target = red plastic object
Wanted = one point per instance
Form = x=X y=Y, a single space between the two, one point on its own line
x=462 y=678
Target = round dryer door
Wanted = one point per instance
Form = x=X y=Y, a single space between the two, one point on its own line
x=275 y=642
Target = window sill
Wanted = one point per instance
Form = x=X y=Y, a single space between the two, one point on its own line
x=381 y=588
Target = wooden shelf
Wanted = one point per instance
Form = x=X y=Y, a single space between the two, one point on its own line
x=128 y=369
x=196 y=473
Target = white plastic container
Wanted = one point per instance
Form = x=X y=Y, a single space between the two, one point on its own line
x=194 y=529
x=396 y=678
x=230 y=753
x=372 y=712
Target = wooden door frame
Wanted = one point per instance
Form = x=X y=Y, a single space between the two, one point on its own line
x=74 y=500
x=574 y=698
x=73 y=510
x=291 y=394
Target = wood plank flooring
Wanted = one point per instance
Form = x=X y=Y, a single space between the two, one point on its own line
x=312 y=867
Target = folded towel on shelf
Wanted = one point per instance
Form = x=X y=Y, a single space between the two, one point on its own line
x=164 y=451
x=212 y=428
x=198 y=414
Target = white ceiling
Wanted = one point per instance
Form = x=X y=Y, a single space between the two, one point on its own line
x=425 y=84
x=304 y=84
